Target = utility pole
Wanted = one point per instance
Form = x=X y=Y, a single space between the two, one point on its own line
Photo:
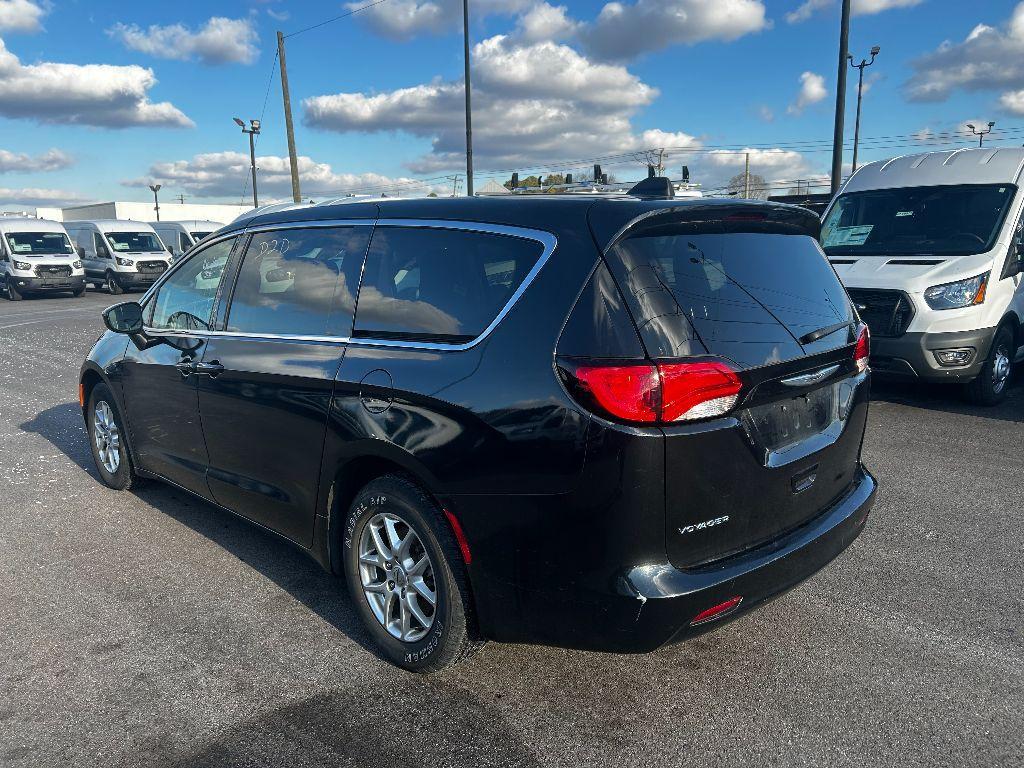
x=293 y=158
x=837 y=137
x=746 y=178
x=982 y=133
x=253 y=130
x=156 y=200
x=181 y=199
x=860 y=92
x=469 y=103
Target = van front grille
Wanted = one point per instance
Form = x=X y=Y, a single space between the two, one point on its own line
x=152 y=267
x=887 y=313
x=53 y=270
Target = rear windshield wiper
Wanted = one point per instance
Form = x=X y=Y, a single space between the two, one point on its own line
x=809 y=338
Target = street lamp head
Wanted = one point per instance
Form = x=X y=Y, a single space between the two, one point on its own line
x=155 y=187
x=970 y=126
x=875 y=50
x=240 y=122
x=255 y=125
x=991 y=123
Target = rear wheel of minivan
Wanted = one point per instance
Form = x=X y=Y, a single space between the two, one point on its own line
x=989 y=388
x=407 y=576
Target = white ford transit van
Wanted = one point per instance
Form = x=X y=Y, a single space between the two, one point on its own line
x=179 y=236
x=929 y=247
x=120 y=255
x=36 y=255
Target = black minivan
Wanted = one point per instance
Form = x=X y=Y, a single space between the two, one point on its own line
x=605 y=423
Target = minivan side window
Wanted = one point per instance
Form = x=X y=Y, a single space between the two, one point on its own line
x=425 y=284
x=299 y=282
x=186 y=298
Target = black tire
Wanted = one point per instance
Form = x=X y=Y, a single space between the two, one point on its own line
x=450 y=636
x=79 y=292
x=990 y=387
x=121 y=478
x=13 y=294
x=113 y=287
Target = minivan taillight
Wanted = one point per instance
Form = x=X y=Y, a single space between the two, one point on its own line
x=648 y=393
x=862 y=352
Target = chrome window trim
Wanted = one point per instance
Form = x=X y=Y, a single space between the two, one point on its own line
x=546 y=239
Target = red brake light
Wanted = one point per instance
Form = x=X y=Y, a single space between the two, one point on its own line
x=862 y=351
x=667 y=392
x=717 y=611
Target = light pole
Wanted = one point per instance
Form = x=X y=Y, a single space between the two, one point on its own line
x=860 y=92
x=253 y=130
x=837 y=136
x=982 y=133
x=156 y=200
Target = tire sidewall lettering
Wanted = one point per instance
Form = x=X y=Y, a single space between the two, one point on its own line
x=366 y=504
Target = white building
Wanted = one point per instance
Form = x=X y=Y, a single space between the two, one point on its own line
x=145 y=212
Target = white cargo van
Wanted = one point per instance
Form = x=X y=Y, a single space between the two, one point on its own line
x=179 y=236
x=930 y=249
x=36 y=255
x=120 y=255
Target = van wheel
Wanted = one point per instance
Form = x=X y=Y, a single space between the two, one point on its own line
x=993 y=381
x=13 y=294
x=113 y=287
x=407 y=577
x=107 y=437
x=79 y=292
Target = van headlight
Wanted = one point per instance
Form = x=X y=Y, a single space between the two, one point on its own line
x=125 y=262
x=962 y=293
x=22 y=265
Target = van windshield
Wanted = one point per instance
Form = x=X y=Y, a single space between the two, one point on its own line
x=134 y=241
x=953 y=220
x=197 y=236
x=38 y=243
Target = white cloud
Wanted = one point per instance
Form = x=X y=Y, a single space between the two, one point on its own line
x=82 y=94
x=622 y=30
x=1013 y=102
x=219 y=41
x=857 y=7
x=812 y=90
x=22 y=15
x=405 y=19
x=989 y=58
x=765 y=113
x=19 y=162
x=806 y=9
x=33 y=196
x=532 y=103
x=224 y=174
x=278 y=15
x=775 y=165
x=546 y=22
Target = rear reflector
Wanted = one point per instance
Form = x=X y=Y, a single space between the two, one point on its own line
x=717 y=612
x=668 y=392
x=862 y=352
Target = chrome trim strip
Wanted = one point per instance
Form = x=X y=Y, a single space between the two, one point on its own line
x=546 y=239
x=805 y=379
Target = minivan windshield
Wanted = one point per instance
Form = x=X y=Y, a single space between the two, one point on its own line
x=39 y=243
x=915 y=221
x=134 y=241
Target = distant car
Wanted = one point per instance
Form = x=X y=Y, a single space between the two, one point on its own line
x=931 y=249
x=36 y=256
x=119 y=255
x=179 y=236
x=606 y=423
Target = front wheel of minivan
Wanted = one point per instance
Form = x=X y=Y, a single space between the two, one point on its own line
x=406 y=575
x=106 y=435
x=989 y=388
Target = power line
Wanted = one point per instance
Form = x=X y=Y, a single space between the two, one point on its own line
x=336 y=18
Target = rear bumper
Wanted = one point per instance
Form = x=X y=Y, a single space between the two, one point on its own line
x=651 y=605
x=72 y=283
x=913 y=355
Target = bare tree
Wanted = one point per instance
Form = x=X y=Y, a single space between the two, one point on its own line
x=758 y=186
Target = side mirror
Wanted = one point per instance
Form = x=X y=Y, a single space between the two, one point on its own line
x=124 y=318
x=169 y=249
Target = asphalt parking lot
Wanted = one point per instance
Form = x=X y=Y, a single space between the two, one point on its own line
x=150 y=629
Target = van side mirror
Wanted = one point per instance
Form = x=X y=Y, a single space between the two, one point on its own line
x=124 y=318
x=81 y=252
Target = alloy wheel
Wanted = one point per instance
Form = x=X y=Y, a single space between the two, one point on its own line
x=397 y=577
x=1001 y=366
x=107 y=437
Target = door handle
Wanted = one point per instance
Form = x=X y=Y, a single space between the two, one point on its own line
x=211 y=369
x=186 y=367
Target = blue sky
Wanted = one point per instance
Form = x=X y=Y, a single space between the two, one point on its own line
x=97 y=98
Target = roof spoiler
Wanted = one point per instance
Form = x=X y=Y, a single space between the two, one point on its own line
x=654 y=186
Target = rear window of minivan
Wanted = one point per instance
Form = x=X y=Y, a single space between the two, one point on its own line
x=746 y=296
